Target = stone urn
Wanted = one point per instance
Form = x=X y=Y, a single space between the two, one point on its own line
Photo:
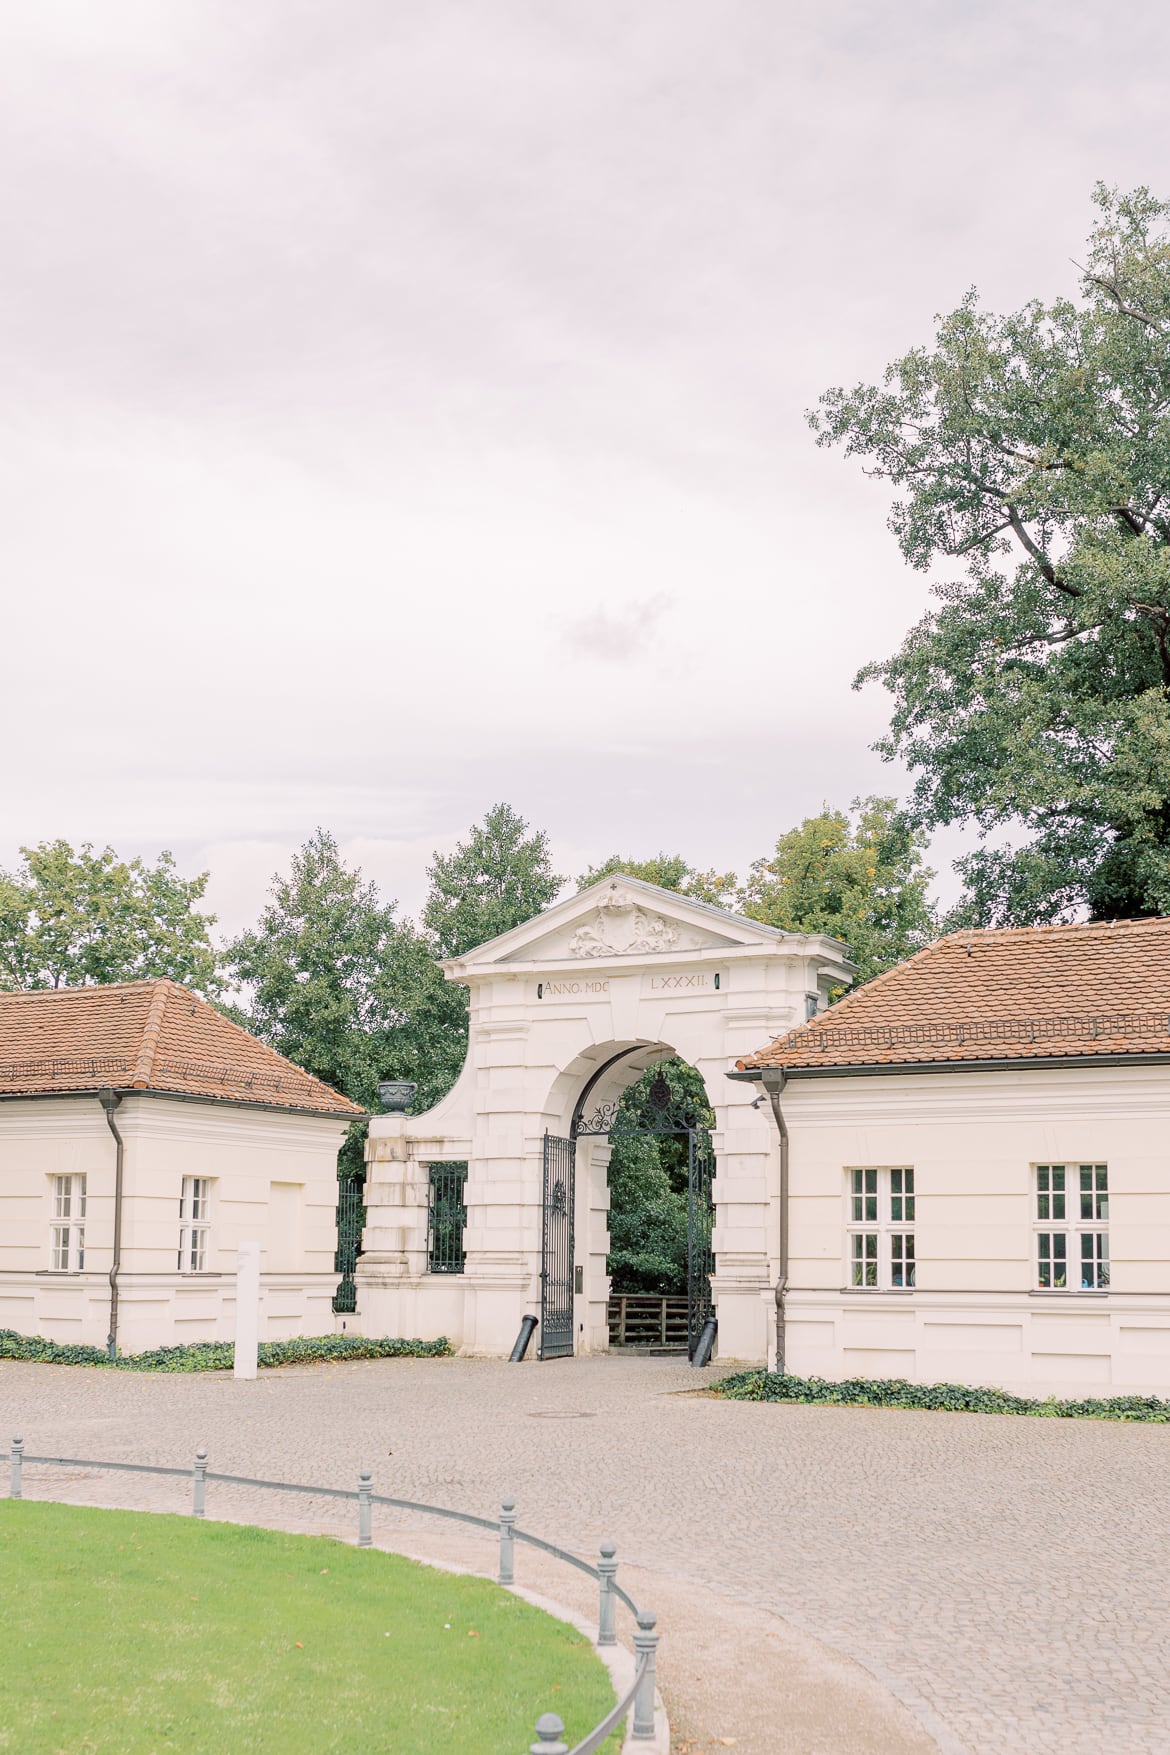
x=396 y=1095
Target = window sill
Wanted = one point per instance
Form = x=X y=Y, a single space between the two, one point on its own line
x=1070 y=1292
x=879 y=1291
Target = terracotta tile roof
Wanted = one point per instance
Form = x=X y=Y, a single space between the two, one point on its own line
x=1013 y=994
x=146 y=1036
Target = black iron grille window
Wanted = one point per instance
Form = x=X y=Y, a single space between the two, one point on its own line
x=351 y=1218
x=446 y=1218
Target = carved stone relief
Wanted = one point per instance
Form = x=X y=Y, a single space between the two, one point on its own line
x=620 y=926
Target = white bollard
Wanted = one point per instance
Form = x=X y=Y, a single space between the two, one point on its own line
x=247 y=1308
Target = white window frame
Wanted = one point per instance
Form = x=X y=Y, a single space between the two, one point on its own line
x=194 y=1224
x=880 y=1206
x=1070 y=1227
x=67 y=1230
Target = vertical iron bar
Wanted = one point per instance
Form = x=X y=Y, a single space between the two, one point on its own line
x=556 y=1275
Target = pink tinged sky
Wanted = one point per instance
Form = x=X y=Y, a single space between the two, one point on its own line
x=405 y=402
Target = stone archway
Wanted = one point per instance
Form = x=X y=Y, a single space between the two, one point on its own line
x=575 y=1198
x=591 y=990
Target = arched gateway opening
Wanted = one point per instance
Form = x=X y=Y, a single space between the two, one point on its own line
x=652 y=1146
x=566 y=1013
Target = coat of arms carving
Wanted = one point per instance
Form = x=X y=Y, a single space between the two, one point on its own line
x=620 y=927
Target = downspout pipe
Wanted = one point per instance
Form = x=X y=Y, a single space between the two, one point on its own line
x=109 y=1101
x=771 y=1080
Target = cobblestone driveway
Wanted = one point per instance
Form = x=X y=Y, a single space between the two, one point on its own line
x=1008 y=1579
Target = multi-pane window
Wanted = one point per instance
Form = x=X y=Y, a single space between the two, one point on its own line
x=881 y=1229
x=1072 y=1227
x=194 y=1215
x=67 y=1237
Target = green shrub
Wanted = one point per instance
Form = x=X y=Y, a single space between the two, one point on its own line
x=895 y=1392
x=219 y=1355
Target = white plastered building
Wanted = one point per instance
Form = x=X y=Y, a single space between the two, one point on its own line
x=143 y=1138
x=979 y=1167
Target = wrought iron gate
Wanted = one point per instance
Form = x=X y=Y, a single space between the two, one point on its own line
x=556 y=1276
x=700 y=1217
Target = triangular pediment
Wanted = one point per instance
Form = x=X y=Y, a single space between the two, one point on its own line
x=616 y=919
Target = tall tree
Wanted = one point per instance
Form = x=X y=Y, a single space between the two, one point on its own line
x=859 y=877
x=1034 y=450
x=316 y=970
x=500 y=876
x=73 y=917
x=335 y=981
x=332 y=978
x=671 y=872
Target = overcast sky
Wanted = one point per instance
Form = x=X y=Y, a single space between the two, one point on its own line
x=405 y=402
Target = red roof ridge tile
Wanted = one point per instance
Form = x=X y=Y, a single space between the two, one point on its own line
x=151 y=1031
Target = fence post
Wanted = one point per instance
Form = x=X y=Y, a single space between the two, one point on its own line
x=607 y=1572
x=199 y=1487
x=365 y=1509
x=645 y=1648
x=16 y=1490
x=507 y=1542
x=549 y=1736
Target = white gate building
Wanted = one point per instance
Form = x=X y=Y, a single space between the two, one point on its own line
x=569 y=1008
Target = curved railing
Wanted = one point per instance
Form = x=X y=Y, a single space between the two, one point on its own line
x=639 y=1697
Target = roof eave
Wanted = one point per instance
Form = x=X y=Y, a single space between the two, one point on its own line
x=345 y=1115
x=1014 y=1063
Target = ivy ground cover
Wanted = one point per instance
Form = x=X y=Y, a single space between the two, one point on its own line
x=124 y=1633
x=953 y=1398
x=218 y=1355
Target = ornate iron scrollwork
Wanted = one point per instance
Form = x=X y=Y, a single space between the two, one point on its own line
x=665 y=1116
x=659 y=1094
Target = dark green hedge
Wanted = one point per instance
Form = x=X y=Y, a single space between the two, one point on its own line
x=895 y=1392
x=219 y=1355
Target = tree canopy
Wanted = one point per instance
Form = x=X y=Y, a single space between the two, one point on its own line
x=500 y=876
x=73 y=917
x=332 y=978
x=859 y=877
x=1034 y=701
x=316 y=970
x=671 y=872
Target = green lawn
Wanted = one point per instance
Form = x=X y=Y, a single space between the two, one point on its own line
x=128 y=1634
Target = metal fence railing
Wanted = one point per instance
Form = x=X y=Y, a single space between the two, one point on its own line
x=639 y=1697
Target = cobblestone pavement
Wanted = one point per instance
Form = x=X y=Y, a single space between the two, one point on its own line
x=1007 y=1579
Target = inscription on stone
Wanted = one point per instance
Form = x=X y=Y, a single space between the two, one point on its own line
x=554 y=988
x=669 y=983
